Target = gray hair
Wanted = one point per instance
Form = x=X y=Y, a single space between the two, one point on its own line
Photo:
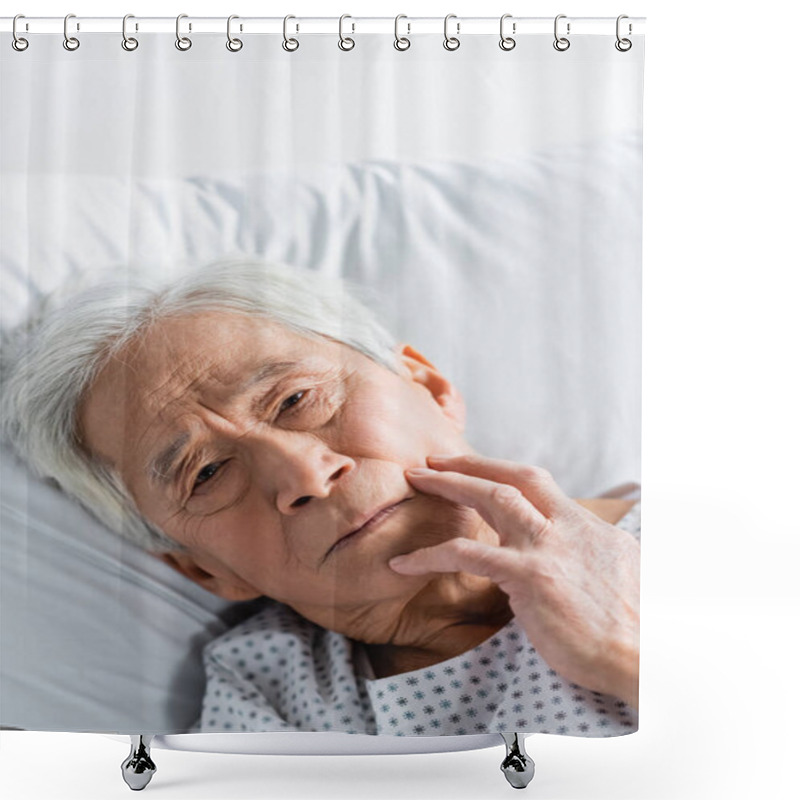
x=49 y=364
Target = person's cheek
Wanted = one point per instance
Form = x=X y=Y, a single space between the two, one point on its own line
x=372 y=427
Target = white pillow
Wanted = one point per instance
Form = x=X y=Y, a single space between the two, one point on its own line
x=520 y=281
x=96 y=634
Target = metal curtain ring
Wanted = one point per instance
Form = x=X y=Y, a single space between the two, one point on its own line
x=128 y=42
x=507 y=42
x=18 y=43
x=181 y=42
x=401 y=42
x=290 y=45
x=70 y=42
x=561 y=43
x=451 y=42
x=623 y=45
x=346 y=43
x=234 y=45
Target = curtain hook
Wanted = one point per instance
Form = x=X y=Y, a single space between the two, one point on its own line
x=401 y=42
x=507 y=42
x=623 y=45
x=128 y=42
x=346 y=43
x=182 y=42
x=451 y=42
x=18 y=43
x=70 y=42
x=290 y=45
x=234 y=45
x=561 y=43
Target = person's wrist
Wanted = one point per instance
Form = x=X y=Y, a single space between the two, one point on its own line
x=622 y=679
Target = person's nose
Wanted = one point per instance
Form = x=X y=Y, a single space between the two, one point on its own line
x=302 y=467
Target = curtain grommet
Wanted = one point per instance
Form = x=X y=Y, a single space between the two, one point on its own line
x=289 y=44
x=561 y=43
x=623 y=45
x=451 y=43
x=183 y=43
x=401 y=43
x=234 y=45
x=19 y=43
x=507 y=42
x=346 y=43
x=128 y=42
x=71 y=43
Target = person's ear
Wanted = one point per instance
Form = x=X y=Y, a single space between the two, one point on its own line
x=443 y=392
x=228 y=587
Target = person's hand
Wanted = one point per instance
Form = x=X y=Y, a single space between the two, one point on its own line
x=571 y=578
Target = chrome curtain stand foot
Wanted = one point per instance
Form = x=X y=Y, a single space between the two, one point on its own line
x=517 y=766
x=138 y=768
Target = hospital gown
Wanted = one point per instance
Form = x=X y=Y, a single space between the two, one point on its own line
x=278 y=672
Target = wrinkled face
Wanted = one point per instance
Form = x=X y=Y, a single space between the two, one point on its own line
x=263 y=451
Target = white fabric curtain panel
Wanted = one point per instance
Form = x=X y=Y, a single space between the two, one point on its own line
x=246 y=289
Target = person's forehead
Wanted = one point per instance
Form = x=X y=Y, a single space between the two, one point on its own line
x=217 y=350
x=206 y=355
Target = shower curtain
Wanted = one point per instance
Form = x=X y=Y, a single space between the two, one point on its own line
x=325 y=252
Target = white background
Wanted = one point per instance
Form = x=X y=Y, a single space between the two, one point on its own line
x=721 y=605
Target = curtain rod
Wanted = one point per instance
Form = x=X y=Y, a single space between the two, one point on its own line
x=325 y=25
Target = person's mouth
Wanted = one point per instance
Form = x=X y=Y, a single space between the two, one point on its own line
x=364 y=525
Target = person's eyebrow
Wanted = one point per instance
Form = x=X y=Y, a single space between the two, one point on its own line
x=162 y=468
x=162 y=465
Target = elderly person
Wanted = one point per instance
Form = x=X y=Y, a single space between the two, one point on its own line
x=258 y=430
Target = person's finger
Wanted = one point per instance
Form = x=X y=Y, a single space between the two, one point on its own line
x=504 y=507
x=458 y=555
x=536 y=483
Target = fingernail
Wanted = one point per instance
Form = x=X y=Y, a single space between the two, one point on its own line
x=420 y=472
x=439 y=458
x=397 y=561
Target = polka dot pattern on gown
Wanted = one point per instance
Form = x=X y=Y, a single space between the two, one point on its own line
x=278 y=672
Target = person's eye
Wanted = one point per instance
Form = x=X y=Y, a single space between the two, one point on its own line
x=292 y=400
x=207 y=473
